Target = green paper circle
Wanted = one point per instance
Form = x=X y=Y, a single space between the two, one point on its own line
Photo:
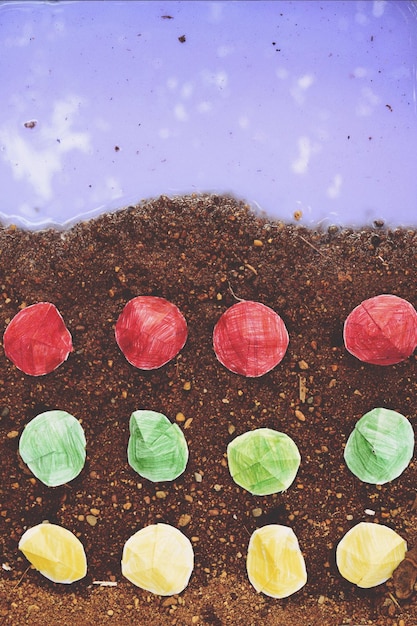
x=263 y=461
x=53 y=447
x=380 y=447
x=157 y=448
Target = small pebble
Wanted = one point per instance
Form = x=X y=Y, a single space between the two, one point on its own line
x=91 y=519
x=184 y=520
x=300 y=415
x=257 y=512
x=213 y=512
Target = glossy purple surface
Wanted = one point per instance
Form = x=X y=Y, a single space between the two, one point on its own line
x=293 y=106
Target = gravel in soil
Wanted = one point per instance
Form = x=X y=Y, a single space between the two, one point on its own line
x=201 y=252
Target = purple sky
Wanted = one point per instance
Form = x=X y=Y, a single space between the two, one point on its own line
x=293 y=106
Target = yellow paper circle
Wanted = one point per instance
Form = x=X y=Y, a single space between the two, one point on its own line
x=369 y=553
x=274 y=563
x=158 y=558
x=55 y=552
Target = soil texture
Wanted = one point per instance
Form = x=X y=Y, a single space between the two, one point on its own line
x=202 y=253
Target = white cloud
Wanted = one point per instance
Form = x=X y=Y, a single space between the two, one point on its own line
x=164 y=133
x=305 y=150
x=219 y=79
x=23 y=39
x=187 y=90
x=114 y=187
x=172 y=82
x=180 y=113
x=369 y=100
x=282 y=73
x=378 y=8
x=360 y=72
x=299 y=88
x=304 y=82
x=361 y=18
x=36 y=155
x=333 y=190
x=216 y=11
x=224 y=51
x=205 y=106
x=243 y=121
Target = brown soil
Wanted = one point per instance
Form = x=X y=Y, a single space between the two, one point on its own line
x=195 y=251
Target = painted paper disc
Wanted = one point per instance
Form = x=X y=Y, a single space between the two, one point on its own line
x=250 y=339
x=55 y=552
x=381 y=330
x=369 y=553
x=263 y=461
x=380 y=447
x=157 y=449
x=158 y=558
x=53 y=446
x=37 y=340
x=150 y=332
x=275 y=564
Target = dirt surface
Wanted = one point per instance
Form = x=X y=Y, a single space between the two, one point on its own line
x=197 y=251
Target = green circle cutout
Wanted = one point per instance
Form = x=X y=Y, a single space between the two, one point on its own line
x=263 y=461
x=157 y=448
x=380 y=447
x=53 y=447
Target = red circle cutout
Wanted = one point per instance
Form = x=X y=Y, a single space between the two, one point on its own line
x=250 y=339
x=150 y=331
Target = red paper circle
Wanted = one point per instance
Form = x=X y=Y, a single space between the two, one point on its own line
x=250 y=339
x=150 y=331
x=381 y=330
x=37 y=340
